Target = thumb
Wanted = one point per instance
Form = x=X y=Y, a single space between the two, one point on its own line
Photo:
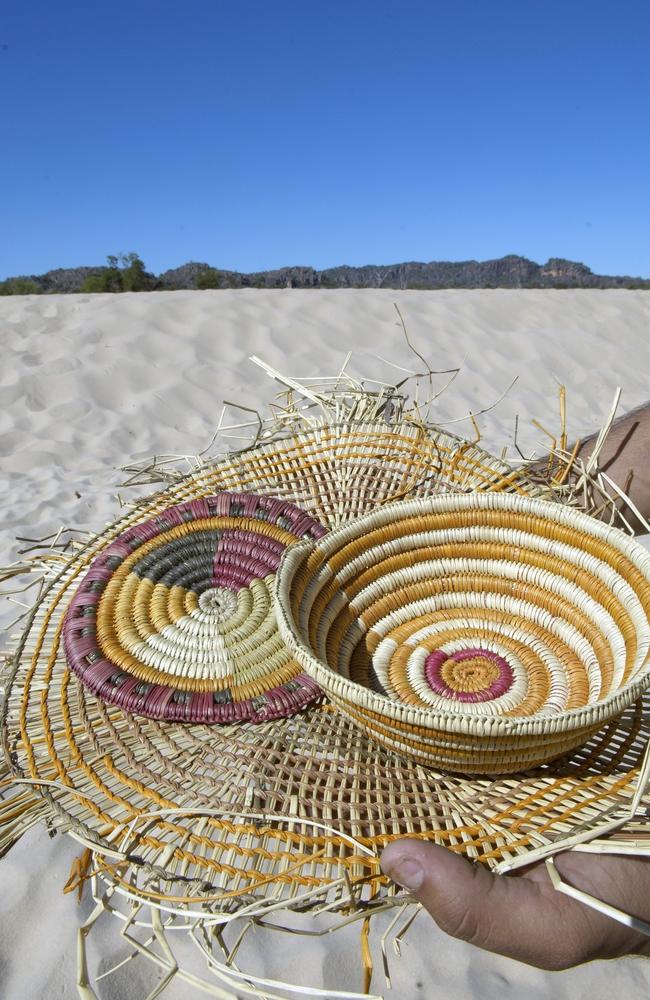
x=510 y=916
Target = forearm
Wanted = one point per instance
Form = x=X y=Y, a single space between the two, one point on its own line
x=625 y=458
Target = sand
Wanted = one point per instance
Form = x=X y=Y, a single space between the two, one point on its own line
x=91 y=382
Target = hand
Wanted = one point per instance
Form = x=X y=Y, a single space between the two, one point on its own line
x=522 y=915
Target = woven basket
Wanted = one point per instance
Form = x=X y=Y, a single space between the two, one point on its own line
x=483 y=633
x=174 y=618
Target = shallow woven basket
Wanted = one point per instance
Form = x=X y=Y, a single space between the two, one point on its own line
x=483 y=633
x=174 y=619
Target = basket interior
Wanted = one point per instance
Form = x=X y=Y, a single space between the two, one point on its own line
x=474 y=605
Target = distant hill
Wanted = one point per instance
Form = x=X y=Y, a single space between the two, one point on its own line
x=506 y=272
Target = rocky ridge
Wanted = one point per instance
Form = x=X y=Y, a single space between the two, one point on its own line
x=511 y=271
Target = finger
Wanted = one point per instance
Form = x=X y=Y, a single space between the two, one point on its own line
x=514 y=917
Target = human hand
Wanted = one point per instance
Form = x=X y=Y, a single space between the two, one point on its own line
x=522 y=915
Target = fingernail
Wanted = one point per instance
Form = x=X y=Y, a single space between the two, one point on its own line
x=407 y=873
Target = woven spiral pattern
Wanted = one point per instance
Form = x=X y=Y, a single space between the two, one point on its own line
x=478 y=632
x=174 y=620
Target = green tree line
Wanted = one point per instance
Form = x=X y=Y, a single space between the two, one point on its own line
x=125 y=272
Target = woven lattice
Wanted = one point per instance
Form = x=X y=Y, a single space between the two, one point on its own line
x=174 y=619
x=292 y=811
x=477 y=632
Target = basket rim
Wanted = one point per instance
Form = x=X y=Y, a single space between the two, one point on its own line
x=342 y=688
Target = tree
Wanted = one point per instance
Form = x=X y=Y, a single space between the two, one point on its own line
x=125 y=273
x=134 y=276
x=19 y=286
x=210 y=278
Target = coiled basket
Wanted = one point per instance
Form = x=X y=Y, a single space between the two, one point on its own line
x=481 y=632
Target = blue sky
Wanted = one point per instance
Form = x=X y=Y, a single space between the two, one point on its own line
x=256 y=135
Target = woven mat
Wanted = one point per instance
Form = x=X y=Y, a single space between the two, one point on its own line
x=292 y=811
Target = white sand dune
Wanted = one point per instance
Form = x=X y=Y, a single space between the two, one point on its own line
x=90 y=382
